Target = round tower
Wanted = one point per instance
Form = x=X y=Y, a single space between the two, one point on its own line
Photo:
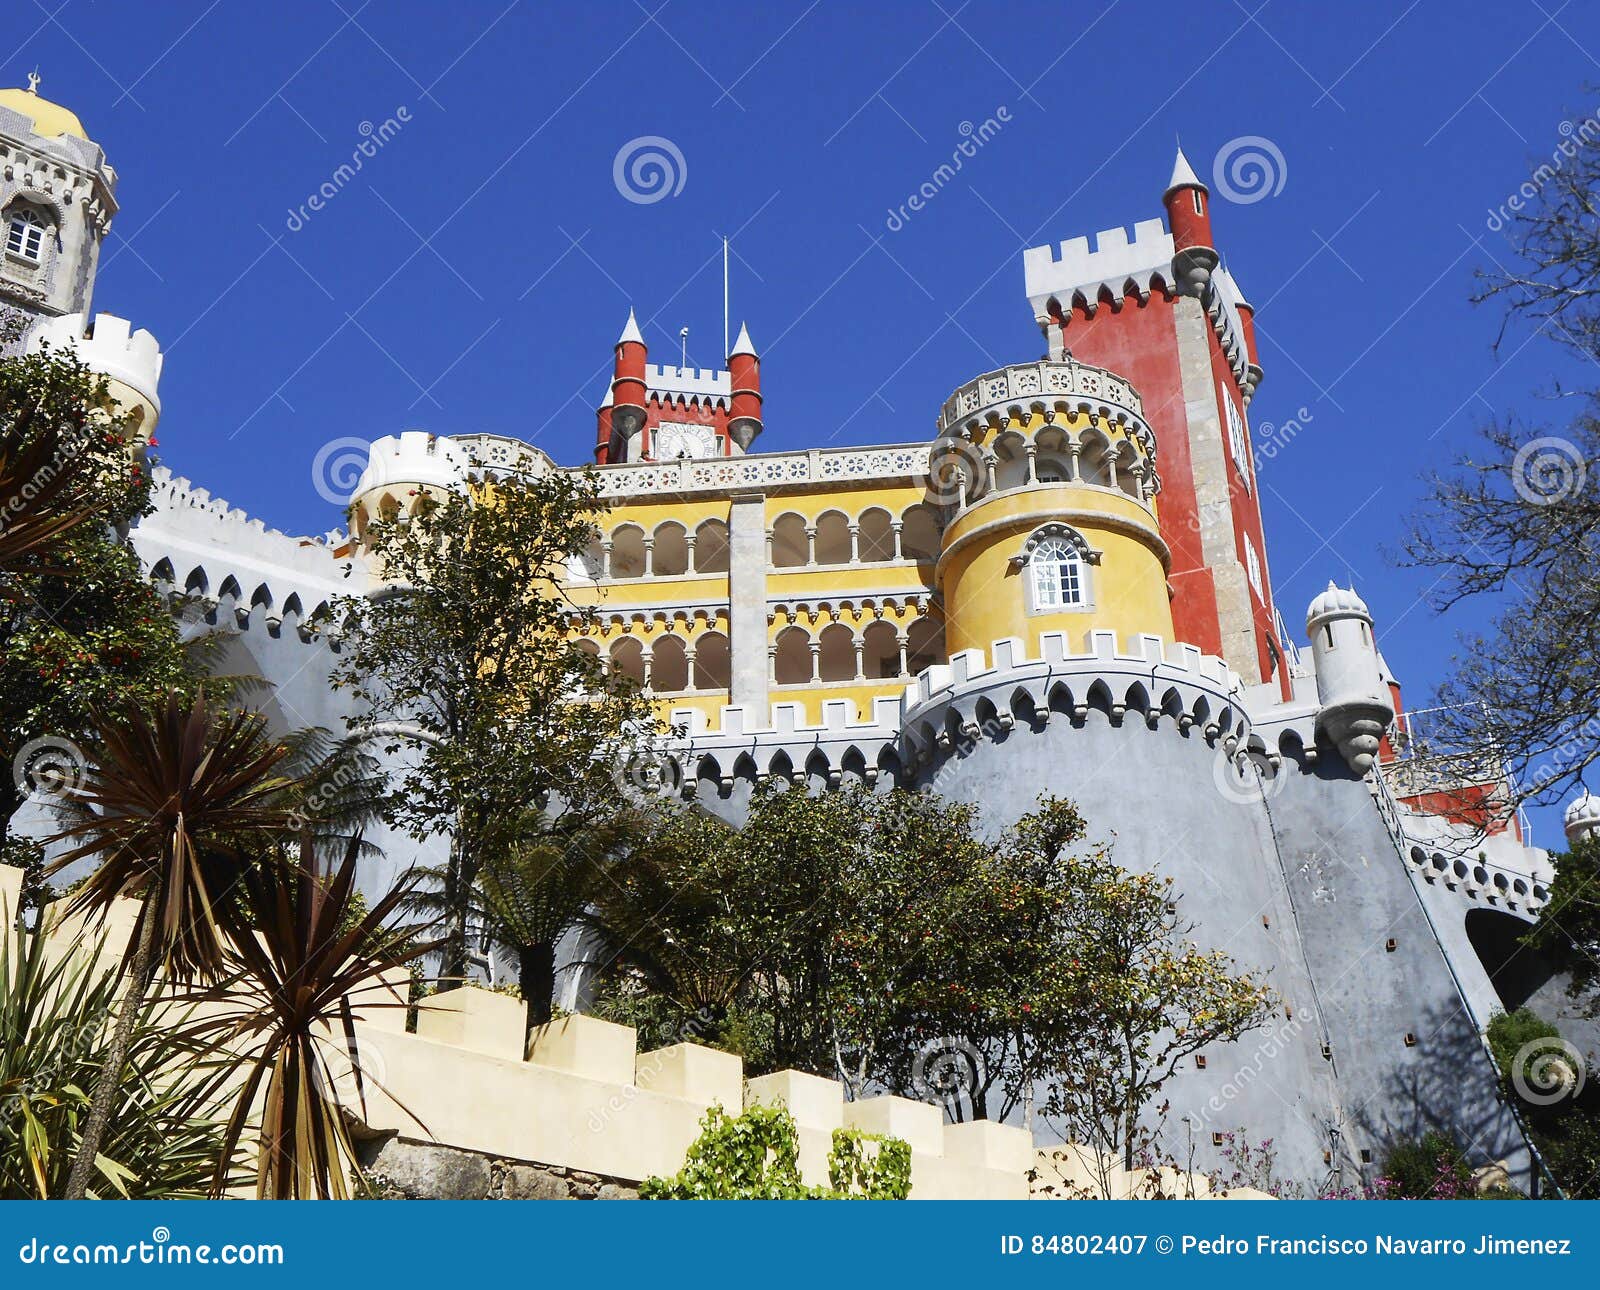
x=744 y=379
x=401 y=471
x=1188 y=204
x=129 y=360
x=1356 y=705
x=629 y=392
x=1582 y=819
x=1047 y=472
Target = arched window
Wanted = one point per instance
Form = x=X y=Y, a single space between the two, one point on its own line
x=25 y=236
x=1057 y=572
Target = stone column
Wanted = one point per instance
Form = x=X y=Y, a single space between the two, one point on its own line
x=605 y=558
x=855 y=544
x=900 y=641
x=645 y=656
x=895 y=527
x=688 y=656
x=816 y=661
x=1074 y=450
x=772 y=663
x=811 y=545
x=749 y=554
x=649 y=556
x=860 y=646
x=688 y=541
x=1032 y=451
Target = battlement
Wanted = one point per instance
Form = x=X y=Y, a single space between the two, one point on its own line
x=202 y=545
x=109 y=346
x=710 y=385
x=1117 y=263
x=977 y=694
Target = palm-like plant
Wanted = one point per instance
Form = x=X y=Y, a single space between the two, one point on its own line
x=177 y=806
x=291 y=1018
x=164 y=1137
x=533 y=892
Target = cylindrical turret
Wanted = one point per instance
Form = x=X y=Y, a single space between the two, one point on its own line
x=744 y=373
x=129 y=360
x=1188 y=205
x=1582 y=819
x=628 y=388
x=401 y=470
x=1247 y=324
x=1356 y=705
x=602 y=433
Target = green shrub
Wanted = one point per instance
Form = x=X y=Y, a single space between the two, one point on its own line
x=756 y=1156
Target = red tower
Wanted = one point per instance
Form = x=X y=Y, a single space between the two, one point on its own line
x=1159 y=309
x=660 y=413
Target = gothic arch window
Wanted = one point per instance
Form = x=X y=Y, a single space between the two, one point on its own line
x=25 y=235
x=1056 y=559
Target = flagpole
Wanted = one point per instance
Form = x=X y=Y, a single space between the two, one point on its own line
x=725 y=342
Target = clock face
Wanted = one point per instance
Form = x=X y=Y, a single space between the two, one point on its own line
x=676 y=440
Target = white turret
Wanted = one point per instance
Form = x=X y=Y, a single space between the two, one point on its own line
x=1356 y=704
x=129 y=360
x=402 y=469
x=1582 y=819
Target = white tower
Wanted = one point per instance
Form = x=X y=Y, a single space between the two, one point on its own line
x=401 y=470
x=1356 y=705
x=1583 y=819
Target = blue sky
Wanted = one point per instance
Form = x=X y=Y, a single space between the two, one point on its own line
x=474 y=275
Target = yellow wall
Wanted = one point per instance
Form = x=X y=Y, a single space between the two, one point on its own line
x=985 y=599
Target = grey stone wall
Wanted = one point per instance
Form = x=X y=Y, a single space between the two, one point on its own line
x=402 y=1169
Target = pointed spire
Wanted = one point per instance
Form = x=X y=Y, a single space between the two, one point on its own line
x=607 y=401
x=743 y=345
x=1183 y=175
x=631 y=332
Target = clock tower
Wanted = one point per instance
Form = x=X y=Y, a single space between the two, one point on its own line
x=657 y=412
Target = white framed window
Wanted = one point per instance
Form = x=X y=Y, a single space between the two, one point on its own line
x=25 y=236
x=1058 y=576
x=1252 y=568
x=1238 y=442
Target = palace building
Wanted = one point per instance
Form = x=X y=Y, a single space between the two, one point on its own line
x=1064 y=588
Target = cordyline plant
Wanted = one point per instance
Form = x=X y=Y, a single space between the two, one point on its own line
x=177 y=806
x=475 y=657
x=164 y=1137
x=290 y=1016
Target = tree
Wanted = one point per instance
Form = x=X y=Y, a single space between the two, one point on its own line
x=178 y=807
x=81 y=629
x=530 y=892
x=1142 y=998
x=1569 y=923
x=1520 y=522
x=475 y=657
